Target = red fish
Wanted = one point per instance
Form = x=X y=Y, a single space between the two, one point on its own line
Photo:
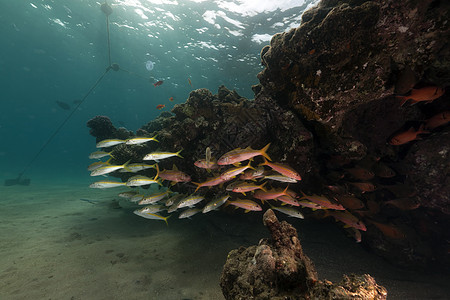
x=282 y=169
x=160 y=106
x=174 y=175
x=404 y=203
x=348 y=219
x=323 y=201
x=349 y=202
x=210 y=182
x=238 y=155
x=171 y=99
x=389 y=230
x=360 y=173
x=158 y=83
x=189 y=80
x=407 y=136
x=364 y=186
x=428 y=93
x=438 y=120
x=202 y=163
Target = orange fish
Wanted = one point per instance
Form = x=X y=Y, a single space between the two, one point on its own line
x=158 y=83
x=323 y=201
x=189 y=80
x=174 y=175
x=160 y=106
x=270 y=194
x=171 y=99
x=348 y=219
x=210 y=182
x=428 y=93
x=202 y=163
x=282 y=169
x=360 y=173
x=438 y=120
x=238 y=155
x=389 y=230
x=349 y=202
x=407 y=136
x=246 y=204
x=404 y=203
x=364 y=186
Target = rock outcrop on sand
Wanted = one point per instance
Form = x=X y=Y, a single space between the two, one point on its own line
x=278 y=269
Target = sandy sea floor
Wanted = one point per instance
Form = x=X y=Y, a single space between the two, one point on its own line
x=56 y=246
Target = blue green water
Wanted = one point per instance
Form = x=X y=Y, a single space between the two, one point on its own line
x=56 y=50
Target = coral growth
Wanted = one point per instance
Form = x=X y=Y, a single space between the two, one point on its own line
x=278 y=269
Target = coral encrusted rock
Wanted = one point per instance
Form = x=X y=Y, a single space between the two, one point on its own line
x=278 y=269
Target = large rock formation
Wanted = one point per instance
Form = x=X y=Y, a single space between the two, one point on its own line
x=327 y=104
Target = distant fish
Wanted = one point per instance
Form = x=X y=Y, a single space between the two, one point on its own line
x=428 y=93
x=63 y=105
x=151 y=216
x=246 y=204
x=438 y=120
x=99 y=154
x=210 y=182
x=171 y=99
x=161 y=155
x=201 y=163
x=323 y=201
x=283 y=169
x=190 y=201
x=290 y=211
x=150 y=199
x=152 y=208
x=348 y=219
x=160 y=106
x=158 y=83
x=231 y=173
x=136 y=167
x=140 y=140
x=238 y=155
x=215 y=204
x=407 y=136
x=109 y=169
x=360 y=173
x=105 y=184
x=248 y=187
x=98 y=164
x=174 y=175
x=189 y=213
x=128 y=195
x=189 y=81
x=77 y=101
x=139 y=180
x=281 y=178
x=364 y=186
x=109 y=143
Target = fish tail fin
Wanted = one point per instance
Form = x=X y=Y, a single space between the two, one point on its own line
x=265 y=163
x=285 y=191
x=422 y=129
x=157 y=172
x=263 y=151
x=125 y=166
x=198 y=186
x=107 y=162
x=403 y=98
x=179 y=155
x=154 y=138
x=249 y=165
x=110 y=154
x=165 y=219
x=262 y=186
